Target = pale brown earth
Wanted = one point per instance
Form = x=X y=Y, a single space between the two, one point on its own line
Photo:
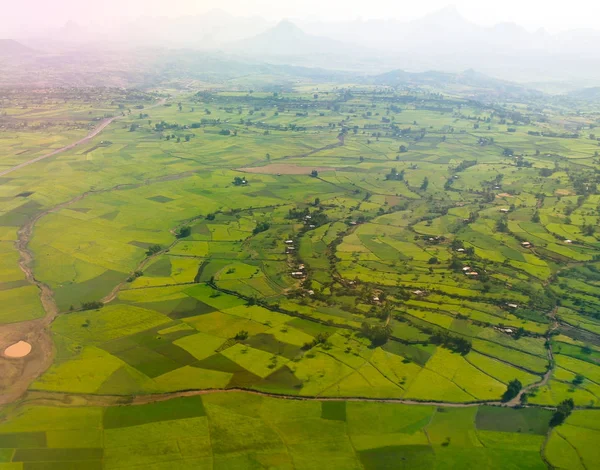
x=18 y=350
x=562 y=192
x=16 y=374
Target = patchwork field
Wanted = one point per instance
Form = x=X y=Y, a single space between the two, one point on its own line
x=211 y=253
x=239 y=430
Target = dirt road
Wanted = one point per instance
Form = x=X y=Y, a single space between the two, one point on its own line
x=16 y=374
x=86 y=139
x=103 y=124
x=82 y=399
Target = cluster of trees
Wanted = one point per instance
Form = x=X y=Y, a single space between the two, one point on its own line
x=588 y=230
x=298 y=213
x=522 y=163
x=394 y=175
x=183 y=232
x=94 y=305
x=584 y=183
x=546 y=172
x=321 y=338
x=134 y=276
x=378 y=334
x=317 y=217
x=483 y=141
x=563 y=135
x=153 y=249
x=241 y=335
x=512 y=390
x=261 y=227
x=502 y=225
x=455 y=245
x=162 y=125
x=205 y=122
x=562 y=412
x=462 y=166
x=454 y=343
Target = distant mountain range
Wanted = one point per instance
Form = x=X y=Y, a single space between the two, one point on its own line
x=287 y=39
x=442 y=41
x=446 y=41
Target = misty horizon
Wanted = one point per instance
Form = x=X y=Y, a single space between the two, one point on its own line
x=19 y=21
x=207 y=39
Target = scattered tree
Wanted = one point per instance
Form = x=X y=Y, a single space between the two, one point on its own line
x=241 y=335
x=153 y=249
x=512 y=390
x=94 y=305
x=562 y=412
x=183 y=232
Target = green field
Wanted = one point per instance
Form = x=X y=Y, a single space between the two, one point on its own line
x=238 y=430
x=366 y=245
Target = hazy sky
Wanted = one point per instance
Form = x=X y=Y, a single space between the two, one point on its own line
x=30 y=15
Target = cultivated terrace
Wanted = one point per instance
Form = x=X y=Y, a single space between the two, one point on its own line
x=418 y=269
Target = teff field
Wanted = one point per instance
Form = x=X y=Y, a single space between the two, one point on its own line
x=340 y=277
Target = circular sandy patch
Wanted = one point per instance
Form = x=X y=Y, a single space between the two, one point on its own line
x=20 y=349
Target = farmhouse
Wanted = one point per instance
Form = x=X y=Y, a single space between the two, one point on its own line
x=466 y=268
x=375 y=299
x=568 y=241
x=513 y=305
x=297 y=274
x=289 y=242
x=526 y=245
x=418 y=292
x=472 y=273
x=460 y=250
x=504 y=211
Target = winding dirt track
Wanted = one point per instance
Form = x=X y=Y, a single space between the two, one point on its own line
x=16 y=375
x=76 y=399
x=103 y=124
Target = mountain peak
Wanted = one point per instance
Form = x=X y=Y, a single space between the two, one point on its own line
x=286 y=26
x=12 y=47
x=286 y=38
x=449 y=12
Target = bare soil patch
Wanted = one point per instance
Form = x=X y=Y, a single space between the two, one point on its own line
x=563 y=192
x=18 y=350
